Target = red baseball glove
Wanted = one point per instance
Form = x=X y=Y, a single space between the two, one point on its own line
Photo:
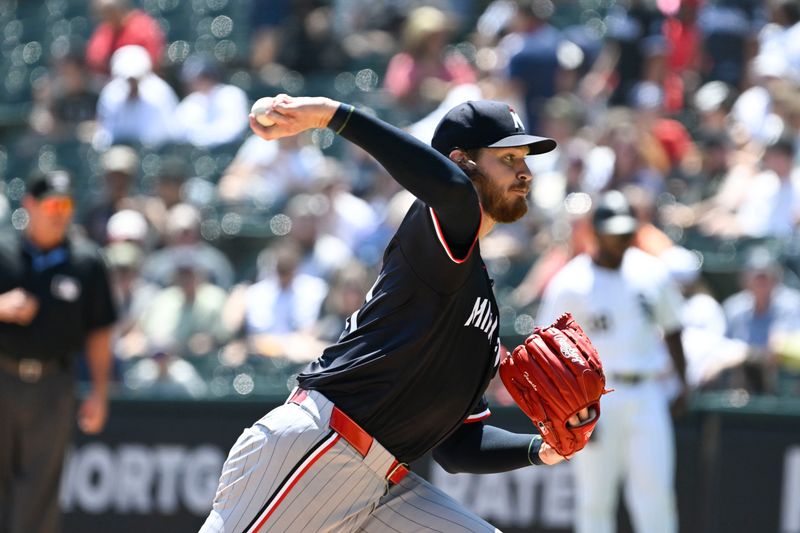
x=553 y=376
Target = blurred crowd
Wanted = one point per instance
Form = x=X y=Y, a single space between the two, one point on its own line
x=235 y=260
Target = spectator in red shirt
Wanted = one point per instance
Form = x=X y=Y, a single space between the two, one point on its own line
x=122 y=25
x=684 y=50
x=673 y=140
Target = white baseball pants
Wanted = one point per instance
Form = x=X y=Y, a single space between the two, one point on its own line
x=290 y=472
x=633 y=444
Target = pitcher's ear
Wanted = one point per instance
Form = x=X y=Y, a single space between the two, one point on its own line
x=457 y=154
x=462 y=160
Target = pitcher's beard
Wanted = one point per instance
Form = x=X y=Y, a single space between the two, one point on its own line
x=496 y=202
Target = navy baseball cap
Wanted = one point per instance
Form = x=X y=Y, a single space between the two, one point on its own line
x=613 y=215
x=50 y=183
x=485 y=124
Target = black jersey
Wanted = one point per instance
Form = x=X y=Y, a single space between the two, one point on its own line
x=71 y=285
x=413 y=363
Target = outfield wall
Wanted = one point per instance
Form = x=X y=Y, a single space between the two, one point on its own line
x=155 y=469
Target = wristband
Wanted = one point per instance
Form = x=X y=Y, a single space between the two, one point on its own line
x=340 y=118
x=533 y=450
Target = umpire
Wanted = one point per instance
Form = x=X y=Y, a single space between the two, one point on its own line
x=55 y=301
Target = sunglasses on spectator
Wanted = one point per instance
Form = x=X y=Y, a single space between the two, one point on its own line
x=57 y=205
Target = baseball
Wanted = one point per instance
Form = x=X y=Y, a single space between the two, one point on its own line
x=260 y=109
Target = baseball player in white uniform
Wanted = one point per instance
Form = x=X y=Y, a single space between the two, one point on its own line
x=630 y=308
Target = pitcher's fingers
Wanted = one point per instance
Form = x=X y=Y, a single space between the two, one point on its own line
x=284 y=110
x=279 y=113
x=265 y=132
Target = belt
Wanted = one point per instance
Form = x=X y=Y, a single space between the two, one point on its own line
x=356 y=436
x=629 y=379
x=29 y=370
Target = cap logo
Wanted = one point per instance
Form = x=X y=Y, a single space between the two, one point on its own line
x=517 y=121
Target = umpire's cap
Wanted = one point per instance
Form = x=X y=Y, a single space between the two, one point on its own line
x=613 y=215
x=485 y=124
x=42 y=184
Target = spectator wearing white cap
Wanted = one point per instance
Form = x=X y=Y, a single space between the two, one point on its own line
x=136 y=105
x=213 y=112
x=132 y=294
x=713 y=102
x=754 y=111
x=119 y=165
x=127 y=225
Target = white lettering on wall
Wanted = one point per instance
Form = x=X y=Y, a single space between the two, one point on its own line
x=790 y=500
x=527 y=480
x=136 y=468
x=168 y=462
x=558 y=498
x=521 y=498
x=142 y=479
x=94 y=482
x=200 y=481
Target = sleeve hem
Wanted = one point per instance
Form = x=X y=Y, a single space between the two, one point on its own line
x=340 y=118
x=533 y=450
x=477 y=417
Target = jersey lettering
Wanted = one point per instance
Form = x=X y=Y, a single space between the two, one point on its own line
x=486 y=320
x=482 y=317
x=477 y=311
x=490 y=331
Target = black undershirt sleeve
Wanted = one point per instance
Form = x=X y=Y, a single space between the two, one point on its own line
x=424 y=172
x=480 y=449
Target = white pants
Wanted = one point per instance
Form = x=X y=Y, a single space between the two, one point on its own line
x=290 y=472
x=633 y=444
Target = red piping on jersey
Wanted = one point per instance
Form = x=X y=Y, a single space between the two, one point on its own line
x=286 y=489
x=483 y=415
x=442 y=240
